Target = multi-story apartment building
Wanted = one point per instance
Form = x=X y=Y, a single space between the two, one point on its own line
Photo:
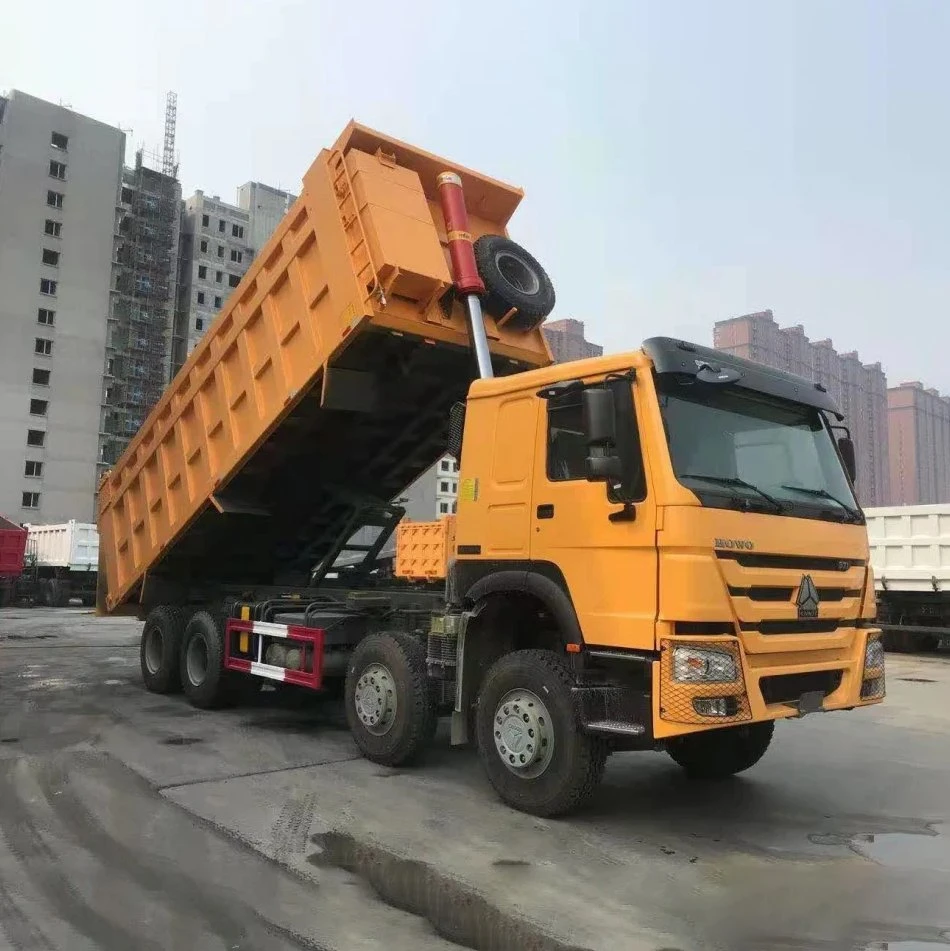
x=218 y=243
x=59 y=183
x=567 y=341
x=860 y=389
x=918 y=421
x=266 y=206
x=215 y=253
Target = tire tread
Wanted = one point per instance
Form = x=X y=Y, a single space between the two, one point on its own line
x=587 y=770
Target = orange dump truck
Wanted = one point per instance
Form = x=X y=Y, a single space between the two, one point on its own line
x=659 y=549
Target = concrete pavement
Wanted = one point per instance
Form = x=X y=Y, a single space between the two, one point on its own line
x=132 y=821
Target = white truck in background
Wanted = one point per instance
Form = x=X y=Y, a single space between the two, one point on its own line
x=910 y=556
x=62 y=562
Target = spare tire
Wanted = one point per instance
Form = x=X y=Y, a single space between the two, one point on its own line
x=513 y=279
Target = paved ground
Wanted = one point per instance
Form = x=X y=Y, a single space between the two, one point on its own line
x=130 y=821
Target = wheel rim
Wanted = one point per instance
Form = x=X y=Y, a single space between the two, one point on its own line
x=375 y=699
x=524 y=734
x=154 y=643
x=517 y=273
x=196 y=660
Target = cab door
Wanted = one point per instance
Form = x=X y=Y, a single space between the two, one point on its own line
x=609 y=567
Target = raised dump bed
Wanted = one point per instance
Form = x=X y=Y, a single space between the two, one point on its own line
x=321 y=390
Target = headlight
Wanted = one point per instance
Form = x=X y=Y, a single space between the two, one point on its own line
x=703 y=665
x=874 y=654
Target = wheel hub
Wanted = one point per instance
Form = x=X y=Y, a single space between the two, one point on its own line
x=196 y=660
x=524 y=735
x=375 y=699
x=153 y=650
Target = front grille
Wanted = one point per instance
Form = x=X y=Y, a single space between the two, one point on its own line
x=704 y=628
x=788 y=688
x=763 y=593
x=792 y=562
x=808 y=626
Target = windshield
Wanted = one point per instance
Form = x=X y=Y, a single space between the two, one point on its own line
x=730 y=445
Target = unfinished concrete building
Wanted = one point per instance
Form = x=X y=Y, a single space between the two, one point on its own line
x=138 y=354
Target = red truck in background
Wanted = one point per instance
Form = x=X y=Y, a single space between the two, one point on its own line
x=12 y=553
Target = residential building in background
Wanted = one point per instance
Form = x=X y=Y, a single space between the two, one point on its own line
x=60 y=176
x=567 y=341
x=918 y=421
x=215 y=253
x=141 y=315
x=266 y=207
x=218 y=243
x=859 y=389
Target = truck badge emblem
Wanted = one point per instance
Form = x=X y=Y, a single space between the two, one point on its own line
x=807 y=599
x=738 y=544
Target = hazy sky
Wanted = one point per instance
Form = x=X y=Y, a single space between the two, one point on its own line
x=683 y=161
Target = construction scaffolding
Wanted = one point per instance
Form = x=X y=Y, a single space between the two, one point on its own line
x=143 y=301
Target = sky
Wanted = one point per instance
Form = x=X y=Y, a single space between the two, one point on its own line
x=683 y=161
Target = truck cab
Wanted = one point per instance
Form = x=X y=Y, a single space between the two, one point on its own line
x=682 y=525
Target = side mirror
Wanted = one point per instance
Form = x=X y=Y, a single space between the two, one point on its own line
x=600 y=432
x=600 y=418
x=846 y=448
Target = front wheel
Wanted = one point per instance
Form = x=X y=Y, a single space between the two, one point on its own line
x=388 y=701
x=529 y=740
x=717 y=754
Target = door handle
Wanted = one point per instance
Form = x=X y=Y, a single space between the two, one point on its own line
x=545 y=511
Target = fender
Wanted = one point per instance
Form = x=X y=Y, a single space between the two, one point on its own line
x=529 y=581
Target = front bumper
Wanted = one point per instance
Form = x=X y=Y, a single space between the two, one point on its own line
x=769 y=686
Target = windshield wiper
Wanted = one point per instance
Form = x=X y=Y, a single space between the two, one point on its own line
x=732 y=480
x=853 y=514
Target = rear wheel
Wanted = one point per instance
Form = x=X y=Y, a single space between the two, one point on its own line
x=205 y=681
x=388 y=701
x=158 y=653
x=717 y=754
x=529 y=740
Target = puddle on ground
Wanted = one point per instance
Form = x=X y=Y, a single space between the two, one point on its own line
x=906 y=946
x=917 y=680
x=930 y=852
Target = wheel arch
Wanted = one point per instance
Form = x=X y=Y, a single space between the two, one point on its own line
x=528 y=586
x=510 y=608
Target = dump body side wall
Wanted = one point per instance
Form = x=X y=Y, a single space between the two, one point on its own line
x=355 y=268
x=71 y=545
x=910 y=547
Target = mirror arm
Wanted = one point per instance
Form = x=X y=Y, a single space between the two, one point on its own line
x=626 y=514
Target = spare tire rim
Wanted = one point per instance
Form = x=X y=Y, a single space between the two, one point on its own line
x=524 y=733
x=154 y=645
x=517 y=273
x=196 y=660
x=375 y=699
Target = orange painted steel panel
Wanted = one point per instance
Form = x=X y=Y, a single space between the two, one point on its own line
x=424 y=549
x=363 y=249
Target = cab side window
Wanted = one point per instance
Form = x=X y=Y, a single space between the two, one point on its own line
x=568 y=450
x=567 y=446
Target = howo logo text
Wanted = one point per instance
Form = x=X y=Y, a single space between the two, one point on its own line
x=740 y=544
